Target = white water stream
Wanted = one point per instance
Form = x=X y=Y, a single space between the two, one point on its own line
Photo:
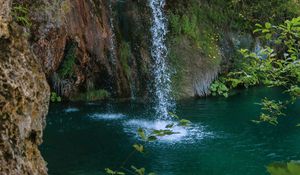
x=162 y=78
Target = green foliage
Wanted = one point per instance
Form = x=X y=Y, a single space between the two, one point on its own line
x=272 y=110
x=111 y=172
x=54 y=97
x=277 y=65
x=192 y=26
x=219 y=88
x=92 y=95
x=142 y=134
x=290 y=168
x=20 y=14
x=67 y=68
x=139 y=148
x=248 y=13
x=125 y=55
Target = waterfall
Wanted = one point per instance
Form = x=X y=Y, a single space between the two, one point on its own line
x=112 y=36
x=159 y=51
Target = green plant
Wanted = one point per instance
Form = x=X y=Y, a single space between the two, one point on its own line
x=219 y=88
x=67 y=68
x=54 y=97
x=289 y=168
x=125 y=55
x=272 y=110
x=92 y=95
x=272 y=67
x=20 y=14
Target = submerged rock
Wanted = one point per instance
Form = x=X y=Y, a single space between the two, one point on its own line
x=24 y=98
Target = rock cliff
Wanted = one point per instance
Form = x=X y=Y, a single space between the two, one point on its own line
x=24 y=98
x=110 y=45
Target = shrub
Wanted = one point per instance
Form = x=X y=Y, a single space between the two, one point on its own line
x=54 y=97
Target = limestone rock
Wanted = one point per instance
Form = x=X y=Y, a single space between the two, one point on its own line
x=24 y=98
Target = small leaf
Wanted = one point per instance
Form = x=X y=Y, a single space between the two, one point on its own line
x=142 y=134
x=140 y=171
x=268 y=25
x=268 y=36
x=258 y=25
x=111 y=172
x=139 y=148
x=152 y=138
x=184 y=122
x=170 y=125
x=173 y=115
x=58 y=99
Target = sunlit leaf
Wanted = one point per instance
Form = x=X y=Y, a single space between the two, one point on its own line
x=290 y=168
x=138 y=148
x=142 y=134
x=184 y=122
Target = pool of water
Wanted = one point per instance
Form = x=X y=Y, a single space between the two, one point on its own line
x=85 y=138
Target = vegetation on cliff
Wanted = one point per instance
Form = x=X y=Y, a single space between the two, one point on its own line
x=276 y=64
x=209 y=28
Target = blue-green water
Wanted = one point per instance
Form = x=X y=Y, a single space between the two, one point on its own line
x=83 y=139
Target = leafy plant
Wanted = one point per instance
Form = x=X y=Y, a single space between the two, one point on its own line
x=112 y=172
x=54 y=97
x=272 y=110
x=289 y=168
x=219 y=88
x=276 y=65
x=67 y=68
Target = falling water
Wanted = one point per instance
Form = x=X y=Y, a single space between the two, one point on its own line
x=159 y=51
x=112 y=36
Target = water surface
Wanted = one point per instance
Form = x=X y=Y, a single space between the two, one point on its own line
x=85 y=138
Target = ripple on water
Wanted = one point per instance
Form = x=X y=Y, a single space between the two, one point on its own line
x=69 y=110
x=190 y=134
x=98 y=116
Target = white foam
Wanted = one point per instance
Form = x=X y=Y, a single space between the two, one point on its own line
x=68 y=110
x=183 y=134
x=107 y=116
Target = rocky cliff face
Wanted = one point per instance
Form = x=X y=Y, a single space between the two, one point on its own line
x=110 y=49
x=105 y=45
x=24 y=97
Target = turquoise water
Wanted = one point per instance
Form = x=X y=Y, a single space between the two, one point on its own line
x=83 y=139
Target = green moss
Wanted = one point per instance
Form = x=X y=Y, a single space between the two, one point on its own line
x=125 y=55
x=179 y=65
x=67 y=68
x=193 y=36
x=93 y=95
x=196 y=25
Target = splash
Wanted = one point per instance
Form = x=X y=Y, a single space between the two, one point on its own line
x=190 y=134
x=159 y=51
